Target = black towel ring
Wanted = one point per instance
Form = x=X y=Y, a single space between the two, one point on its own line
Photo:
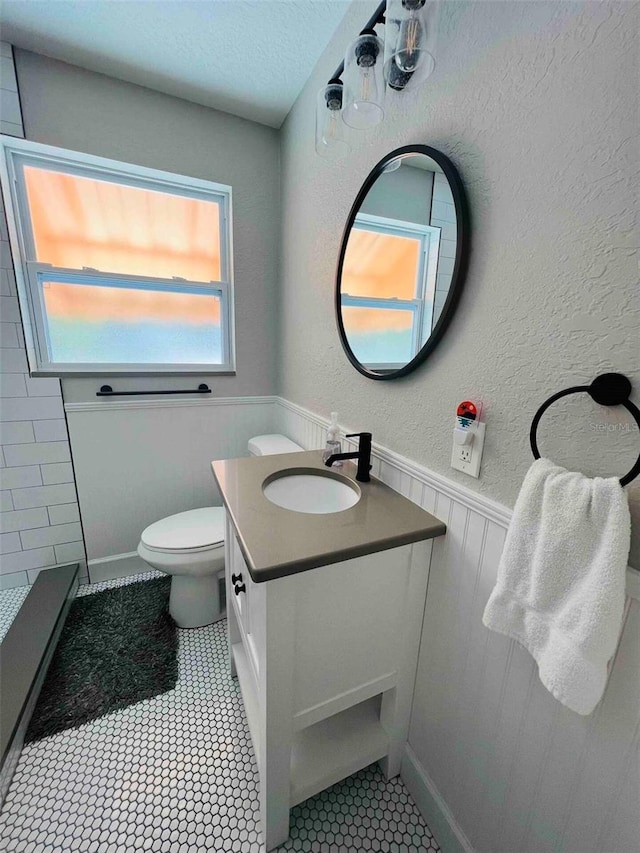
x=608 y=389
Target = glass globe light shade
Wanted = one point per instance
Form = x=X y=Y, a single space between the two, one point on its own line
x=364 y=81
x=330 y=130
x=407 y=61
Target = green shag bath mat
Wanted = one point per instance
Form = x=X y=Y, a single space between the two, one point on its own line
x=117 y=647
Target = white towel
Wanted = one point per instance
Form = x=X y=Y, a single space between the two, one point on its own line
x=561 y=581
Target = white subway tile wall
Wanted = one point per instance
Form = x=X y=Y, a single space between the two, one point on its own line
x=39 y=515
x=43 y=496
x=62 y=513
x=443 y=214
x=59 y=472
x=55 y=430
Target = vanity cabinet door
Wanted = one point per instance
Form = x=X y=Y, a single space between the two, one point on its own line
x=249 y=605
x=239 y=576
x=240 y=586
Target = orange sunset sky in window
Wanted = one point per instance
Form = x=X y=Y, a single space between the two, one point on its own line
x=383 y=266
x=83 y=222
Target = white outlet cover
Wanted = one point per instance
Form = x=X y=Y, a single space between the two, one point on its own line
x=467 y=457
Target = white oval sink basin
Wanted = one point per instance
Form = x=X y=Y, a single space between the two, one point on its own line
x=312 y=491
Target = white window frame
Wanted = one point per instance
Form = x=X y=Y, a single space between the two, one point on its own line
x=421 y=306
x=15 y=153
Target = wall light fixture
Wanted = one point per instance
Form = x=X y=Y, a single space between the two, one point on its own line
x=371 y=67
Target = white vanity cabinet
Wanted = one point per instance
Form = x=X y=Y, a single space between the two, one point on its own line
x=326 y=662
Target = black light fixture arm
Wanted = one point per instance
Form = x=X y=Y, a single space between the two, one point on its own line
x=376 y=18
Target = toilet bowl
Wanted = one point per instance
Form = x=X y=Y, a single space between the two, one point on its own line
x=190 y=547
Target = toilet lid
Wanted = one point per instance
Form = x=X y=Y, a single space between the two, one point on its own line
x=265 y=445
x=196 y=528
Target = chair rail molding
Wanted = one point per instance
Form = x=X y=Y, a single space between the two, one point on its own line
x=403 y=474
x=108 y=405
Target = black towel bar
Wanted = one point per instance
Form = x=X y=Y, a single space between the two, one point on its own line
x=107 y=391
x=608 y=389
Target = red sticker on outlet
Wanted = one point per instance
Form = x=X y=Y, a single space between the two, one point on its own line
x=468 y=410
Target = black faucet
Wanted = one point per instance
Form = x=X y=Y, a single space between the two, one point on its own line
x=363 y=455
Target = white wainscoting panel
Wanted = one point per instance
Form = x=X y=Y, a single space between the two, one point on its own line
x=137 y=461
x=509 y=768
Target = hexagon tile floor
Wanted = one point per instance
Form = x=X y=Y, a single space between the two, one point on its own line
x=10 y=602
x=176 y=774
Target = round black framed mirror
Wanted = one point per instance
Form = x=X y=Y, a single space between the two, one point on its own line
x=402 y=262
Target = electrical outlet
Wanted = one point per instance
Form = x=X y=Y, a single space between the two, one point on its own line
x=467 y=457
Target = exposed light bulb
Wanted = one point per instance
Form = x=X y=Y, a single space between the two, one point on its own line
x=366 y=58
x=365 y=84
x=407 y=62
x=364 y=81
x=330 y=142
x=332 y=129
x=333 y=99
x=409 y=50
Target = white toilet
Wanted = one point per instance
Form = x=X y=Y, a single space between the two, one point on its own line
x=190 y=546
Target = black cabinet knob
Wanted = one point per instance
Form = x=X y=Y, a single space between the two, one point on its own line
x=236 y=578
x=239 y=588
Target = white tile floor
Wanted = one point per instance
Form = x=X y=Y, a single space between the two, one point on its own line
x=176 y=774
x=10 y=602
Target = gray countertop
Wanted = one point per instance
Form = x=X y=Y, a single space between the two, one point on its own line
x=277 y=542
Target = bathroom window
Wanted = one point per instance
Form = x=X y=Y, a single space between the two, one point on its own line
x=388 y=286
x=122 y=269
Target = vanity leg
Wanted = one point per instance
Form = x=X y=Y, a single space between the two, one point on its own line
x=276 y=705
x=274 y=818
x=390 y=764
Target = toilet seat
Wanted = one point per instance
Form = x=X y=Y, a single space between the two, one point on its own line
x=188 y=532
x=203 y=549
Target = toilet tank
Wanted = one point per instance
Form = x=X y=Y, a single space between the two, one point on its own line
x=266 y=445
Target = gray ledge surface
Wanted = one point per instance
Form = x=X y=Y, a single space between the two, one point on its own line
x=277 y=542
x=26 y=652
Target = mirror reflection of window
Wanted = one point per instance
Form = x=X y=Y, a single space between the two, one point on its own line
x=388 y=288
x=402 y=262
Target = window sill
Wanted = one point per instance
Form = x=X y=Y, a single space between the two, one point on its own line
x=101 y=374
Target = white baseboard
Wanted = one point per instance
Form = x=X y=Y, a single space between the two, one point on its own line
x=432 y=806
x=118 y=566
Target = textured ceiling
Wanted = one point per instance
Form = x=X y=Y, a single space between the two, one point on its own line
x=247 y=57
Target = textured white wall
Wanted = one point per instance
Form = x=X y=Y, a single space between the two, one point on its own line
x=537 y=105
x=77 y=109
